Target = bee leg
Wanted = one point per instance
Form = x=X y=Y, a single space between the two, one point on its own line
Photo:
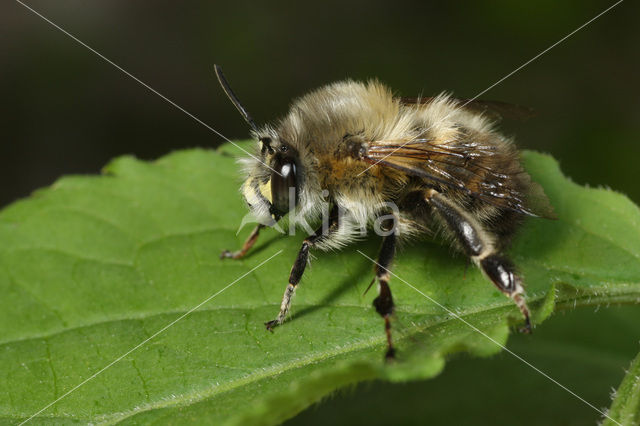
x=502 y=273
x=251 y=240
x=384 y=302
x=479 y=245
x=299 y=266
x=294 y=278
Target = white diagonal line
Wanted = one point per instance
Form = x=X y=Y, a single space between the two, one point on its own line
x=147 y=339
x=543 y=52
x=504 y=78
x=143 y=83
x=473 y=327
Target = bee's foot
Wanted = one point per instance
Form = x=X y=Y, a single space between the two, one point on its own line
x=526 y=329
x=226 y=254
x=390 y=356
x=271 y=325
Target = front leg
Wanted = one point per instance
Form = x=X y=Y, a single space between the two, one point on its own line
x=299 y=266
x=251 y=240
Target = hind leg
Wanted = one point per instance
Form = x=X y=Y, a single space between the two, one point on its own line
x=479 y=245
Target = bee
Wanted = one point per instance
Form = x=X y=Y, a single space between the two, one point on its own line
x=428 y=165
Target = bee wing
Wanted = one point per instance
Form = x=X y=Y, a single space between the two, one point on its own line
x=496 y=110
x=464 y=166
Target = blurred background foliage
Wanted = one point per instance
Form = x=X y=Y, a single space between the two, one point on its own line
x=64 y=111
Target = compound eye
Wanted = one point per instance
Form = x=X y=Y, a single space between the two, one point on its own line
x=284 y=186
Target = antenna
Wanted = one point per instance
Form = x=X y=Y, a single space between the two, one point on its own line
x=233 y=98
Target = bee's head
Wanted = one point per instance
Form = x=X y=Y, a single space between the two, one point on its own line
x=272 y=185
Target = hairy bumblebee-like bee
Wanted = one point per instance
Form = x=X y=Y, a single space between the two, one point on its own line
x=438 y=161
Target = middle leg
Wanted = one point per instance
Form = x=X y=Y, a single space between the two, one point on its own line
x=384 y=302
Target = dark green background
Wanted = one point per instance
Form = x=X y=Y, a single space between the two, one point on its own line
x=67 y=111
x=64 y=110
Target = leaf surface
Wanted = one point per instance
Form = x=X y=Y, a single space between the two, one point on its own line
x=94 y=265
x=626 y=405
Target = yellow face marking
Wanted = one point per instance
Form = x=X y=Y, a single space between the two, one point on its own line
x=265 y=190
x=249 y=190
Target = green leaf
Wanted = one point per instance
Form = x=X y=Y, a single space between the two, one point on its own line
x=626 y=405
x=92 y=266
